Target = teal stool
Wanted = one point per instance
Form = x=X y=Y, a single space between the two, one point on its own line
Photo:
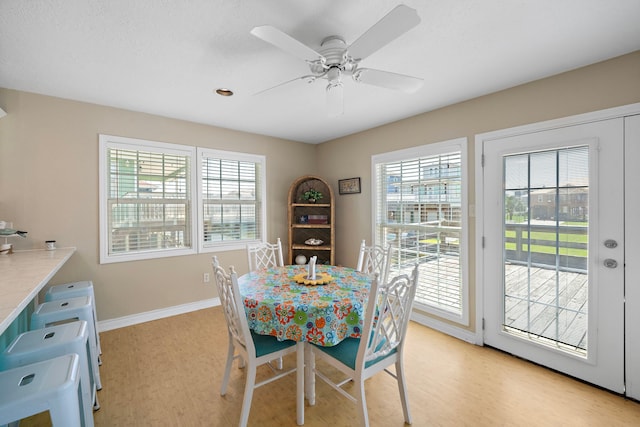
x=47 y=343
x=66 y=310
x=52 y=385
x=73 y=290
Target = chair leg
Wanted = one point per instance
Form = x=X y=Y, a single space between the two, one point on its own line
x=248 y=394
x=362 y=401
x=227 y=368
x=300 y=372
x=402 y=387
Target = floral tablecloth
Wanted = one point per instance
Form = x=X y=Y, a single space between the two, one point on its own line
x=323 y=314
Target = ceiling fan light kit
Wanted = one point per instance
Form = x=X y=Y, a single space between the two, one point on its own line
x=335 y=59
x=335 y=103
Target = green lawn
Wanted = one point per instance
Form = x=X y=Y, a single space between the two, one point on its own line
x=551 y=238
x=543 y=249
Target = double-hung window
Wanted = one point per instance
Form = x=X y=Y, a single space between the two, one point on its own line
x=159 y=200
x=146 y=199
x=231 y=191
x=419 y=209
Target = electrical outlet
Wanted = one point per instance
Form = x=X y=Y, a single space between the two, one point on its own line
x=205 y=277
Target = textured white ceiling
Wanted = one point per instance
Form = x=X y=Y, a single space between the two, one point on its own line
x=166 y=57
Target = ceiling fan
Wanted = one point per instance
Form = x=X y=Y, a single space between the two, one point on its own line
x=335 y=59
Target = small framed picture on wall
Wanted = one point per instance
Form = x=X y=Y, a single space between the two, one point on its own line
x=349 y=185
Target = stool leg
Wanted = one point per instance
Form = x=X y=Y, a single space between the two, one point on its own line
x=96 y=404
x=97 y=334
x=94 y=361
x=93 y=357
x=64 y=411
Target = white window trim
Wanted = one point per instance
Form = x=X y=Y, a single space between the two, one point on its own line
x=458 y=144
x=108 y=141
x=253 y=158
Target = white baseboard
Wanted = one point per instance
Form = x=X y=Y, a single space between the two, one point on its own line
x=121 y=322
x=445 y=328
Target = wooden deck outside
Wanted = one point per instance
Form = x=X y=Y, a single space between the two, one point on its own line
x=547 y=304
x=537 y=301
x=439 y=281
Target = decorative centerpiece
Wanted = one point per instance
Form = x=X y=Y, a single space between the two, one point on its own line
x=321 y=279
x=311 y=277
x=312 y=196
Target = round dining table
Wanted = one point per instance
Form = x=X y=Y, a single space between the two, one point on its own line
x=279 y=303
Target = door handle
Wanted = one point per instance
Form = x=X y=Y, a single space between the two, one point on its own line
x=610 y=263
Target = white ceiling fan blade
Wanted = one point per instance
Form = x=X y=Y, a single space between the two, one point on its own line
x=307 y=79
x=388 y=80
x=335 y=99
x=395 y=23
x=286 y=43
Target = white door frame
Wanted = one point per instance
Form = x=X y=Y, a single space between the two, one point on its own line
x=632 y=253
x=610 y=113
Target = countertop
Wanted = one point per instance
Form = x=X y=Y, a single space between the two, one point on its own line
x=22 y=275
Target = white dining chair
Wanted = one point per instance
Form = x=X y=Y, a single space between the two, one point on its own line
x=253 y=349
x=265 y=255
x=385 y=324
x=374 y=259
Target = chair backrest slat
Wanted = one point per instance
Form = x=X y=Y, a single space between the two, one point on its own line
x=232 y=305
x=265 y=255
x=374 y=259
x=387 y=316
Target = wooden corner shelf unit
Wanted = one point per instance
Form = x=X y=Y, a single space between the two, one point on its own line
x=311 y=221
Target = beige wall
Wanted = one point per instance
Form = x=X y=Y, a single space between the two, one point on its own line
x=608 y=84
x=49 y=173
x=49 y=187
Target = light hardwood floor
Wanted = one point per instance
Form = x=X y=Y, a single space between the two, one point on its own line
x=168 y=373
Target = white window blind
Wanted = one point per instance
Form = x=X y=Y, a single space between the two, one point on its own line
x=419 y=208
x=232 y=199
x=146 y=199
